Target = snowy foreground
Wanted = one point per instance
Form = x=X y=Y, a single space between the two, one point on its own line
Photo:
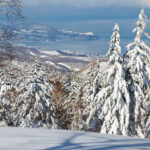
x=26 y=139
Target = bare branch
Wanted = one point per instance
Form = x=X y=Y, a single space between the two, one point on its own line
x=11 y=8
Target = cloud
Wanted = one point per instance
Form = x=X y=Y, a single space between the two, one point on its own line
x=87 y=3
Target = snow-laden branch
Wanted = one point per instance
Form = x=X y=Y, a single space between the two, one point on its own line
x=147 y=35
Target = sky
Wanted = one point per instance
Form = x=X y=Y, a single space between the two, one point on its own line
x=61 y=11
x=96 y=16
x=87 y=3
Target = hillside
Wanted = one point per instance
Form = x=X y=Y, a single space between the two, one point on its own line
x=62 y=60
x=31 y=139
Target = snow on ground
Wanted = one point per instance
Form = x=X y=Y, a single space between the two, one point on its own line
x=71 y=32
x=67 y=51
x=84 y=58
x=43 y=56
x=50 y=63
x=70 y=65
x=87 y=33
x=31 y=53
x=26 y=31
x=66 y=65
x=36 y=139
x=79 y=58
x=50 y=52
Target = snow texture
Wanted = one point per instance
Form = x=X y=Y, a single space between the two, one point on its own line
x=43 y=139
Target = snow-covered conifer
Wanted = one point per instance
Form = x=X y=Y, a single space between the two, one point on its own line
x=5 y=86
x=115 y=109
x=114 y=42
x=91 y=84
x=35 y=106
x=71 y=85
x=112 y=101
x=138 y=57
x=8 y=78
x=73 y=104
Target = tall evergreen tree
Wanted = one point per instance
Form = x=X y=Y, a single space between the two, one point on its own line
x=115 y=109
x=112 y=102
x=138 y=57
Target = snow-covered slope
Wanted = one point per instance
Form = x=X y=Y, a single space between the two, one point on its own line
x=82 y=73
x=36 y=139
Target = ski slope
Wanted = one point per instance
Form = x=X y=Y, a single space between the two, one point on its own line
x=37 y=139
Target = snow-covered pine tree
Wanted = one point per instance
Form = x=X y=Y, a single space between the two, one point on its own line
x=138 y=76
x=91 y=85
x=5 y=86
x=73 y=103
x=88 y=84
x=111 y=105
x=115 y=109
x=35 y=106
x=8 y=78
x=71 y=85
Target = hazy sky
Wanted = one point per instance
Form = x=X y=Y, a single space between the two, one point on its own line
x=87 y=3
x=60 y=10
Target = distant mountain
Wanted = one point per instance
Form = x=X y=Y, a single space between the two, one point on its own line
x=44 y=33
